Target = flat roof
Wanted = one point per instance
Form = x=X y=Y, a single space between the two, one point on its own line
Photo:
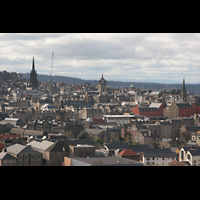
x=117 y=116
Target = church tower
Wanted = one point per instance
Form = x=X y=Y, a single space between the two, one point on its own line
x=102 y=85
x=184 y=92
x=33 y=77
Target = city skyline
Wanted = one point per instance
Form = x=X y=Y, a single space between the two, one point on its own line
x=160 y=58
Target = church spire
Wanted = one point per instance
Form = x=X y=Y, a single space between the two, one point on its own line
x=33 y=65
x=33 y=77
x=183 y=87
x=184 y=92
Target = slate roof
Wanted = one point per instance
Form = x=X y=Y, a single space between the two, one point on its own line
x=135 y=148
x=160 y=153
x=192 y=128
x=194 y=152
x=108 y=161
x=184 y=105
x=6 y=155
x=21 y=149
x=80 y=141
x=58 y=146
x=26 y=132
x=148 y=109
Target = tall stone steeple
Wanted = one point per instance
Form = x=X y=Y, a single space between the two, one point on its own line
x=33 y=77
x=184 y=92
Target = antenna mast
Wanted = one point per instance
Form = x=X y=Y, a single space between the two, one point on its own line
x=51 y=73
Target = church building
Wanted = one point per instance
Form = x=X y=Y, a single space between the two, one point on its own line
x=33 y=77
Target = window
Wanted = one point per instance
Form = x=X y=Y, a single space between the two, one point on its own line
x=26 y=158
x=163 y=158
x=188 y=156
x=181 y=155
x=5 y=161
x=32 y=157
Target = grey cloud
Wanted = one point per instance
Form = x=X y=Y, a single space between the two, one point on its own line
x=122 y=56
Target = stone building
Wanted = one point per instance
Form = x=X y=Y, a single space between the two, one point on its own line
x=26 y=156
x=171 y=111
x=165 y=129
x=81 y=150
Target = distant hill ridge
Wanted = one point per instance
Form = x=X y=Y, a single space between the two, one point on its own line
x=195 y=88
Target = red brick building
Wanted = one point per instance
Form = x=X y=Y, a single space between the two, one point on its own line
x=155 y=109
x=186 y=109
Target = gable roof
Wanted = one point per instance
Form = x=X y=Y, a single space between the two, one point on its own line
x=40 y=145
x=127 y=152
x=21 y=149
x=177 y=163
x=6 y=155
x=58 y=146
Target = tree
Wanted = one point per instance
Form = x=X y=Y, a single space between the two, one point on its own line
x=99 y=141
x=69 y=134
x=83 y=136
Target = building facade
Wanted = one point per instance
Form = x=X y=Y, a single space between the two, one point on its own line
x=149 y=111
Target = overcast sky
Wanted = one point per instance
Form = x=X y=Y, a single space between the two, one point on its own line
x=149 y=57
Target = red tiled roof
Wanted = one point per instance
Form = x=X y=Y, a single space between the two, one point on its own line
x=127 y=152
x=176 y=163
x=2 y=137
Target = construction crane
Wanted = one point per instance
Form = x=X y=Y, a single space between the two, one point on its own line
x=51 y=73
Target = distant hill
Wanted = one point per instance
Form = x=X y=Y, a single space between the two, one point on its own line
x=194 y=88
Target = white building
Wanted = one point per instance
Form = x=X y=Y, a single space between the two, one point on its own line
x=191 y=155
x=158 y=158
x=118 y=119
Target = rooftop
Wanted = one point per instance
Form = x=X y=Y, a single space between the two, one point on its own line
x=107 y=160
